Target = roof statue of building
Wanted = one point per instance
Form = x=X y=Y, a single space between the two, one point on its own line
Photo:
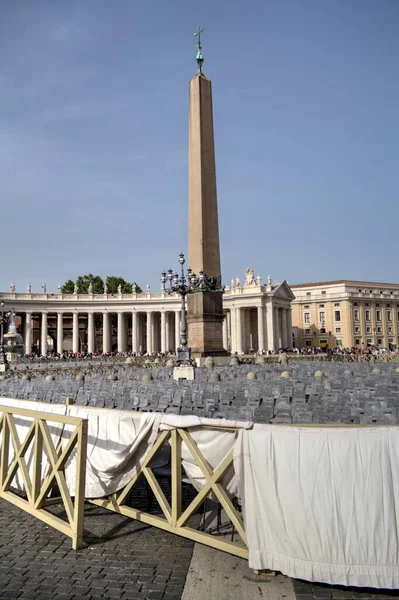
x=258 y=280
x=59 y=288
x=44 y=288
x=90 y=289
x=199 y=58
x=12 y=288
x=29 y=288
x=249 y=276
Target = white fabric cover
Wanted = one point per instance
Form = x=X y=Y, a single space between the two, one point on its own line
x=22 y=425
x=117 y=443
x=322 y=504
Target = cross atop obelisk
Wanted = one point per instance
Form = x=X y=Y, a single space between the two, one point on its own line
x=205 y=308
x=199 y=57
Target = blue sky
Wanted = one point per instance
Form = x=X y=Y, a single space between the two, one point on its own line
x=94 y=137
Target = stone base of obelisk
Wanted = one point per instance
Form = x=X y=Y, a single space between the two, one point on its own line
x=205 y=324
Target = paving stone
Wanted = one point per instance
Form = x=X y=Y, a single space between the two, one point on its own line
x=123 y=549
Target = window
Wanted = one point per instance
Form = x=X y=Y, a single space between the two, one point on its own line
x=321 y=305
x=306 y=306
x=379 y=329
x=339 y=342
x=368 y=341
x=379 y=341
x=390 y=330
x=322 y=316
x=398 y=315
x=356 y=314
x=357 y=329
x=377 y=305
x=367 y=315
x=322 y=330
x=337 y=315
x=308 y=342
x=368 y=329
x=306 y=317
x=355 y=304
x=337 y=304
x=307 y=332
x=323 y=343
x=357 y=342
x=338 y=330
x=308 y=293
x=378 y=312
x=389 y=315
x=323 y=292
x=360 y=291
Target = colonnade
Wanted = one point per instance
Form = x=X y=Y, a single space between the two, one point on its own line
x=259 y=328
x=137 y=331
x=265 y=326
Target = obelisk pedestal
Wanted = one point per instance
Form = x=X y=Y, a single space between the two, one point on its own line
x=205 y=308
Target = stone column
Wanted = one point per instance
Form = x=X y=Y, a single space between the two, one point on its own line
x=149 y=333
x=156 y=325
x=167 y=332
x=90 y=333
x=106 y=333
x=384 y=326
x=225 y=334
x=238 y=330
x=261 y=328
x=28 y=333
x=43 y=335
x=229 y=332
x=270 y=327
x=362 y=325
x=135 y=345
x=121 y=332
x=284 y=328
x=163 y=331
x=289 y=327
x=177 y=329
x=276 y=324
x=60 y=333
x=75 y=332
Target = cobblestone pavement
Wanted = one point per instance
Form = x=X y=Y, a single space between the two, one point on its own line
x=318 y=591
x=122 y=559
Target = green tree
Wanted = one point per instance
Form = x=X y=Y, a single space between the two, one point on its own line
x=113 y=284
x=83 y=282
x=68 y=287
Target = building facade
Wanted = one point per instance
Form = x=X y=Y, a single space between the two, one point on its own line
x=256 y=317
x=345 y=313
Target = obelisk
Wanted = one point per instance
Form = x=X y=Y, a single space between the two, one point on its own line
x=205 y=308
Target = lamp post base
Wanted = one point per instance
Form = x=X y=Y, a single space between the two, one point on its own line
x=184 y=357
x=184 y=372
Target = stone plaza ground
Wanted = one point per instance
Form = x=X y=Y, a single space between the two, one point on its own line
x=126 y=559
x=131 y=561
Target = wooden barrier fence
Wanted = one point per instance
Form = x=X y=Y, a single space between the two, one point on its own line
x=174 y=519
x=36 y=483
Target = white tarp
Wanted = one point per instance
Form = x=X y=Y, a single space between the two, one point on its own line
x=322 y=504
x=117 y=443
x=22 y=425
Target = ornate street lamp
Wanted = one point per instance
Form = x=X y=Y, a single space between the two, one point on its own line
x=184 y=284
x=4 y=317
